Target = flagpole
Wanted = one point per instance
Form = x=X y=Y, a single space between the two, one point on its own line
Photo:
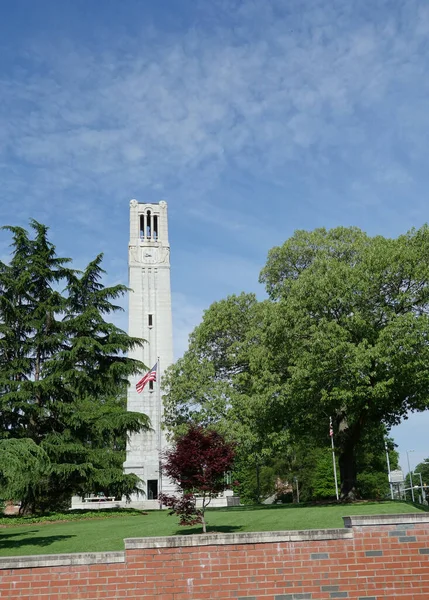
x=159 y=435
x=331 y=433
x=388 y=468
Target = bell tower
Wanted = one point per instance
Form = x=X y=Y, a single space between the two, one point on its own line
x=150 y=318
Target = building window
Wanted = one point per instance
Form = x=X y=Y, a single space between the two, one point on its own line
x=150 y=320
x=155 y=227
x=141 y=226
x=148 y=225
x=152 y=489
x=150 y=386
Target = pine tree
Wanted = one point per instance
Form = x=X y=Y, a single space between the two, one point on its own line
x=63 y=372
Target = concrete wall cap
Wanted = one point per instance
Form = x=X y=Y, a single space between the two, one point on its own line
x=361 y=520
x=60 y=560
x=222 y=539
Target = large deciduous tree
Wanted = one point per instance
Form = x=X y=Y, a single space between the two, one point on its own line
x=63 y=373
x=217 y=383
x=344 y=334
x=350 y=332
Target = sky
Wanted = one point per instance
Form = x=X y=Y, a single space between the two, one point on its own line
x=250 y=118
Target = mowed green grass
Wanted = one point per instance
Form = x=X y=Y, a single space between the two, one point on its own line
x=96 y=535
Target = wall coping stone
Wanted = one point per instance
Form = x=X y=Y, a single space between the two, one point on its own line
x=362 y=520
x=61 y=560
x=222 y=539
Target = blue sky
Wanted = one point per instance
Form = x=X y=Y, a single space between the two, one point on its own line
x=251 y=118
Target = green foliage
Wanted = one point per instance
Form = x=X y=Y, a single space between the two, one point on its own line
x=22 y=462
x=422 y=468
x=350 y=333
x=63 y=375
x=372 y=478
x=258 y=482
x=214 y=384
x=70 y=515
x=321 y=481
x=343 y=335
x=373 y=485
x=200 y=385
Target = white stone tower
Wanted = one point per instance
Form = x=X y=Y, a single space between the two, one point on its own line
x=150 y=318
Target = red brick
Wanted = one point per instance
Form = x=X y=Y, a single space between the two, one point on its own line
x=225 y=572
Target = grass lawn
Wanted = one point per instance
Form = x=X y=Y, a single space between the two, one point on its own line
x=97 y=535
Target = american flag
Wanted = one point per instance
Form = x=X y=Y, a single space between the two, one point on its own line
x=150 y=376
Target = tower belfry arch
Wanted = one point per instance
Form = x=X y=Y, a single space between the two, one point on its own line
x=150 y=318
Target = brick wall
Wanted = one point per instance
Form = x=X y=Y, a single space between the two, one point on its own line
x=371 y=558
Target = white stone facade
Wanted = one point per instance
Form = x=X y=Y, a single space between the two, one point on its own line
x=150 y=318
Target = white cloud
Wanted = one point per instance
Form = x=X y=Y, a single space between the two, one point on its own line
x=150 y=114
x=323 y=104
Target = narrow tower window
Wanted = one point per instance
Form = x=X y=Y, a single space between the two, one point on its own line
x=141 y=226
x=150 y=320
x=155 y=227
x=151 y=386
x=148 y=225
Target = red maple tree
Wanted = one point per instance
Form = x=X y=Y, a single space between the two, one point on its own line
x=197 y=464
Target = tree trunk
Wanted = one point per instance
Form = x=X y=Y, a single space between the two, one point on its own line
x=348 y=473
x=349 y=439
x=206 y=502
x=258 y=483
x=203 y=523
x=28 y=504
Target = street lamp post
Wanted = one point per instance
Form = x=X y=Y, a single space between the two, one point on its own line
x=421 y=486
x=388 y=469
x=409 y=473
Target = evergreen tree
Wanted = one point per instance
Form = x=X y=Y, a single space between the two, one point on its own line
x=22 y=462
x=63 y=372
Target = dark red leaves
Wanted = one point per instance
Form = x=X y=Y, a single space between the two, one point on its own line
x=197 y=464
